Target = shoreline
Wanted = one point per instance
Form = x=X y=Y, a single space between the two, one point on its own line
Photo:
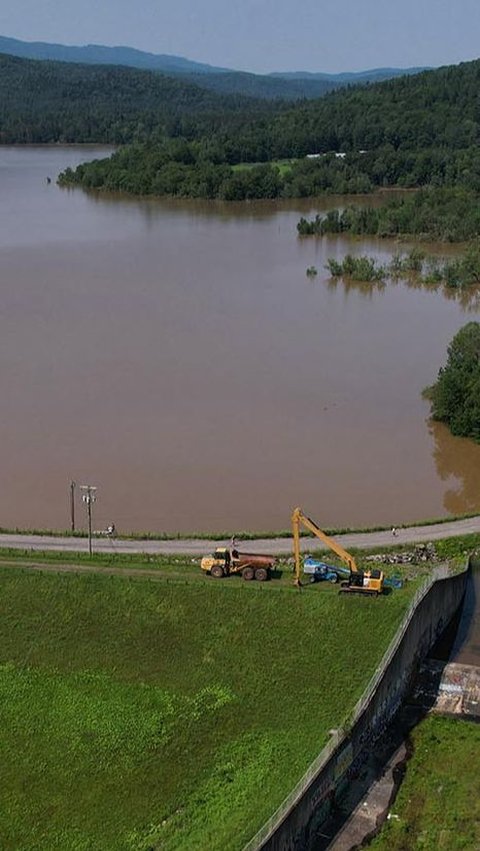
x=243 y=535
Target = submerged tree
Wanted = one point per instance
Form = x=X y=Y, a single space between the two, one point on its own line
x=455 y=396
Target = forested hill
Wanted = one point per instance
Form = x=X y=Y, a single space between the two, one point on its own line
x=413 y=131
x=298 y=85
x=433 y=108
x=100 y=54
x=42 y=101
x=288 y=85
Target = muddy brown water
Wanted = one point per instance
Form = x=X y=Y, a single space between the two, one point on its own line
x=176 y=355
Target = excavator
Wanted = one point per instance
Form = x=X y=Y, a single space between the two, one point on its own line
x=368 y=582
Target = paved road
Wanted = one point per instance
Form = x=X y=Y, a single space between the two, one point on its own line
x=277 y=546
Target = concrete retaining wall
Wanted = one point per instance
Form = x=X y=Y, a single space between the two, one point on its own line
x=294 y=825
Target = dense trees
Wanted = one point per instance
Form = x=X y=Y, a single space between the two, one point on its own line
x=61 y=102
x=455 y=396
x=304 y=178
x=410 y=132
x=429 y=114
x=169 y=170
x=447 y=215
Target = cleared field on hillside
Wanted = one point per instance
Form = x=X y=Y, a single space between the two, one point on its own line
x=169 y=714
x=438 y=802
x=282 y=165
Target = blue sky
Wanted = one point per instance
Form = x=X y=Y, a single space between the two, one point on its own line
x=262 y=35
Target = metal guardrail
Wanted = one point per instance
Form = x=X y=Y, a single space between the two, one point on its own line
x=314 y=769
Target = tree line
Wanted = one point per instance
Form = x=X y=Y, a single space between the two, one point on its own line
x=45 y=102
x=185 y=168
x=455 y=396
x=448 y=214
x=413 y=131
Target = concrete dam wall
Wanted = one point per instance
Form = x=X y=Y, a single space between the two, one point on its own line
x=296 y=823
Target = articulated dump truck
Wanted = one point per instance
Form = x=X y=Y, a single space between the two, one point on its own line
x=226 y=561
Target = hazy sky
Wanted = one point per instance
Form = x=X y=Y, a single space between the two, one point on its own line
x=262 y=35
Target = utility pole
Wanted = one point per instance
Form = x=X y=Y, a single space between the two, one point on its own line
x=72 y=505
x=89 y=497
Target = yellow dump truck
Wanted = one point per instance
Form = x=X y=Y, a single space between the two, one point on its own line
x=225 y=561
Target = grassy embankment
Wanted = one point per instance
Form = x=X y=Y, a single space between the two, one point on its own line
x=136 y=713
x=139 y=714
x=186 y=568
x=437 y=806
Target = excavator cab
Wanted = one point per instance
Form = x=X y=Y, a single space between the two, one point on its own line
x=368 y=582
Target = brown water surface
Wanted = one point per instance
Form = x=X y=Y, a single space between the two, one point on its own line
x=176 y=355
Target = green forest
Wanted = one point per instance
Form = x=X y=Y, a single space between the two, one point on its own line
x=48 y=102
x=412 y=131
x=178 y=139
x=283 y=85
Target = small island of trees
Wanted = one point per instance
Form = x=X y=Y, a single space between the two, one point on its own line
x=455 y=396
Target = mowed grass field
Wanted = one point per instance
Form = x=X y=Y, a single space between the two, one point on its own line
x=438 y=804
x=138 y=714
x=282 y=165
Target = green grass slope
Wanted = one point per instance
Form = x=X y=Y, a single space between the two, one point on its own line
x=437 y=806
x=169 y=714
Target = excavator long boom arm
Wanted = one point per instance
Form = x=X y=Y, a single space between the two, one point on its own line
x=300 y=519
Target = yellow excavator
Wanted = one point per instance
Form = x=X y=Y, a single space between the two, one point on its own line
x=368 y=582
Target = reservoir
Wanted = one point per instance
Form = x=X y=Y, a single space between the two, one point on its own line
x=176 y=355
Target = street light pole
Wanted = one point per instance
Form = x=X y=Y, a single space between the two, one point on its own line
x=72 y=505
x=89 y=497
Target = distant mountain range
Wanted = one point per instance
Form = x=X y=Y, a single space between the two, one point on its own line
x=290 y=85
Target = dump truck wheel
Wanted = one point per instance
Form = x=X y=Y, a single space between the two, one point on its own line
x=334 y=579
x=261 y=574
x=248 y=573
x=217 y=571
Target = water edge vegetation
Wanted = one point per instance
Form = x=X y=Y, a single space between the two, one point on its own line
x=455 y=396
x=454 y=273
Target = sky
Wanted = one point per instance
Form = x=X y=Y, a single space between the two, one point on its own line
x=262 y=35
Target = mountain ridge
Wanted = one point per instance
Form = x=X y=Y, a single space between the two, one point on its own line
x=289 y=85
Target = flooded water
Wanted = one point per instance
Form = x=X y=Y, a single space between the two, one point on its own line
x=176 y=355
